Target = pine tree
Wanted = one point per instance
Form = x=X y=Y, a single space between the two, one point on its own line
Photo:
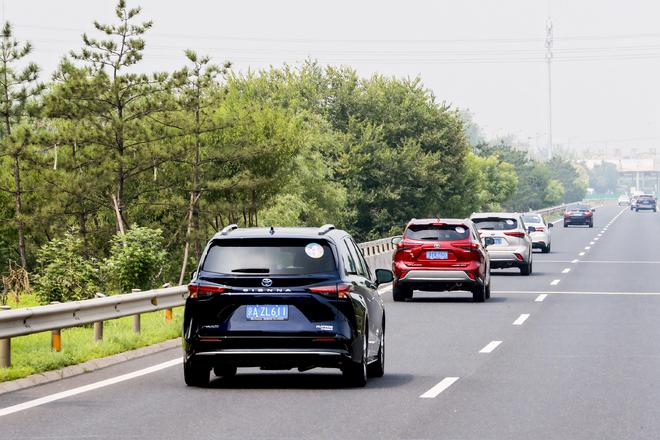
x=18 y=90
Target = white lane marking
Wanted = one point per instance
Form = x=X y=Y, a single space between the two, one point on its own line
x=581 y=254
x=541 y=297
x=521 y=319
x=85 y=388
x=490 y=347
x=598 y=261
x=439 y=387
x=567 y=270
x=575 y=261
x=574 y=292
x=554 y=282
x=586 y=248
x=596 y=239
x=592 y=243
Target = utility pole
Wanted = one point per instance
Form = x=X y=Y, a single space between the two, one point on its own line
x=548 y=59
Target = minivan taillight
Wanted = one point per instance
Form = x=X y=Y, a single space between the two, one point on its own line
x=515 y=234
x=341 y=290
x=203 y=290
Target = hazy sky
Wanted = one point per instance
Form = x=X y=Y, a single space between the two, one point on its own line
x=483 y=55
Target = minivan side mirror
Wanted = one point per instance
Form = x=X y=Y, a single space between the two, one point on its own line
x=531 y=229
x=396 y=240
x=384 y=276
x=551 y=225
x=489 y=241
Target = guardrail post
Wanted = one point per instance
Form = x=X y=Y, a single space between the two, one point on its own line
x=5 y=347
x=168 y=315
x=56 y=340
x=136 y=318
x=98 y=331
x=56 y=337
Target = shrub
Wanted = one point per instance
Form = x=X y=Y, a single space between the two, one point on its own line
x=136 y=259
x=63 y=273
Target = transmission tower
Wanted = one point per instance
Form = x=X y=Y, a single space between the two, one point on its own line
x=548 y=59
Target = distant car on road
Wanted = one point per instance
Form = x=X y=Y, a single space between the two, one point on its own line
x=623 y=200
x=646 y=201
x=579 y=215
x=541 y=237
x=512 y=245
x=440 y=255
x=282 y=298
x=633 y=202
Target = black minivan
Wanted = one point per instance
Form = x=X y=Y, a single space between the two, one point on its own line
x=283 y=298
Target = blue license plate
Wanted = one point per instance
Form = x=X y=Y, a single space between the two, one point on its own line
x=437 y=255
x=498 y=241
x=267 y=312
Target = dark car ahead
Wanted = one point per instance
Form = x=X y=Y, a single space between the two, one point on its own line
x=283 y=298
x=441 y=255
x=579 y=215
x=645 y=201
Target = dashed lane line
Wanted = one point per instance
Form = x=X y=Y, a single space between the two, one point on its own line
x=581 y=254
x=567 y=270
x=541 y=297
x=554 y=282
x=490 y=347
x=521 y=319
x=439 y=388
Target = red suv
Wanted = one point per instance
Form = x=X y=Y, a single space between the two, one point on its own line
x=441 y=255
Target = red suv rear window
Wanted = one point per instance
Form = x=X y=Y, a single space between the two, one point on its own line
x=437 y=232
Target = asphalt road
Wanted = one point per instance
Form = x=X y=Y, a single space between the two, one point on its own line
x=579 y=358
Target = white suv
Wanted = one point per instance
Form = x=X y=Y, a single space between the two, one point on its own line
x=541 y=237
x=512 y=245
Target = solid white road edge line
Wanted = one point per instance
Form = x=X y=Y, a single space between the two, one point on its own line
x=85 y=388
x=440 y=387
x=521 y=319
x=554 y=282
x=492 y=345
x=541 y=297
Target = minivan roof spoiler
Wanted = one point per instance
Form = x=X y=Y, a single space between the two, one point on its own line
x=326 y=228
x=227 y=229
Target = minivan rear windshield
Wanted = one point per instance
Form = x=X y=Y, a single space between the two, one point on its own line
x=437 y=232
x=495 y=223
x=266 y=256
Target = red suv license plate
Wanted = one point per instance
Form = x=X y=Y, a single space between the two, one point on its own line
x=437 y=255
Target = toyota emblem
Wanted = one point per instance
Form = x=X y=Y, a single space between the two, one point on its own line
x=436 y=245
x=266 y=282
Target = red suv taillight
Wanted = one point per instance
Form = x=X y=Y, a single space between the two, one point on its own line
x=203 y=290
x=515 y=234
x=467 y=246
x=341 y=290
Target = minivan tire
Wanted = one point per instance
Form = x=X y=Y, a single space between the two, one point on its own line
x=355 y=373
x=196 y=375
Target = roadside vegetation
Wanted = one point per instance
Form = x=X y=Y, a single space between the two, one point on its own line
x=112 y=179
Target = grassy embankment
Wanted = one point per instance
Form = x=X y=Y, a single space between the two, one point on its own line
x=32 y=353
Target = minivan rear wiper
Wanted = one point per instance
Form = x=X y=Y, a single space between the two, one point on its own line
x=252 y=270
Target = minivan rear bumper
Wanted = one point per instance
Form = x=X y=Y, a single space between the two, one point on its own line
x=276 y=358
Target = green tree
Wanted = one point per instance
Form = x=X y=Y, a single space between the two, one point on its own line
x=64 y=273
x=604 y=177
x=18 y=90
x=136 y=259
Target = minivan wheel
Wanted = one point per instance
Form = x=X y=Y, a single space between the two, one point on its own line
x=196 y=375
x=400 y=293
x=526 y=269
x=355 y=373
x=377 y=368
x=224 y=371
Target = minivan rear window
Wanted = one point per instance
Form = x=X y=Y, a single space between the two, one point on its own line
x=495 y=223
x=437 y=232
x=265 y=256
